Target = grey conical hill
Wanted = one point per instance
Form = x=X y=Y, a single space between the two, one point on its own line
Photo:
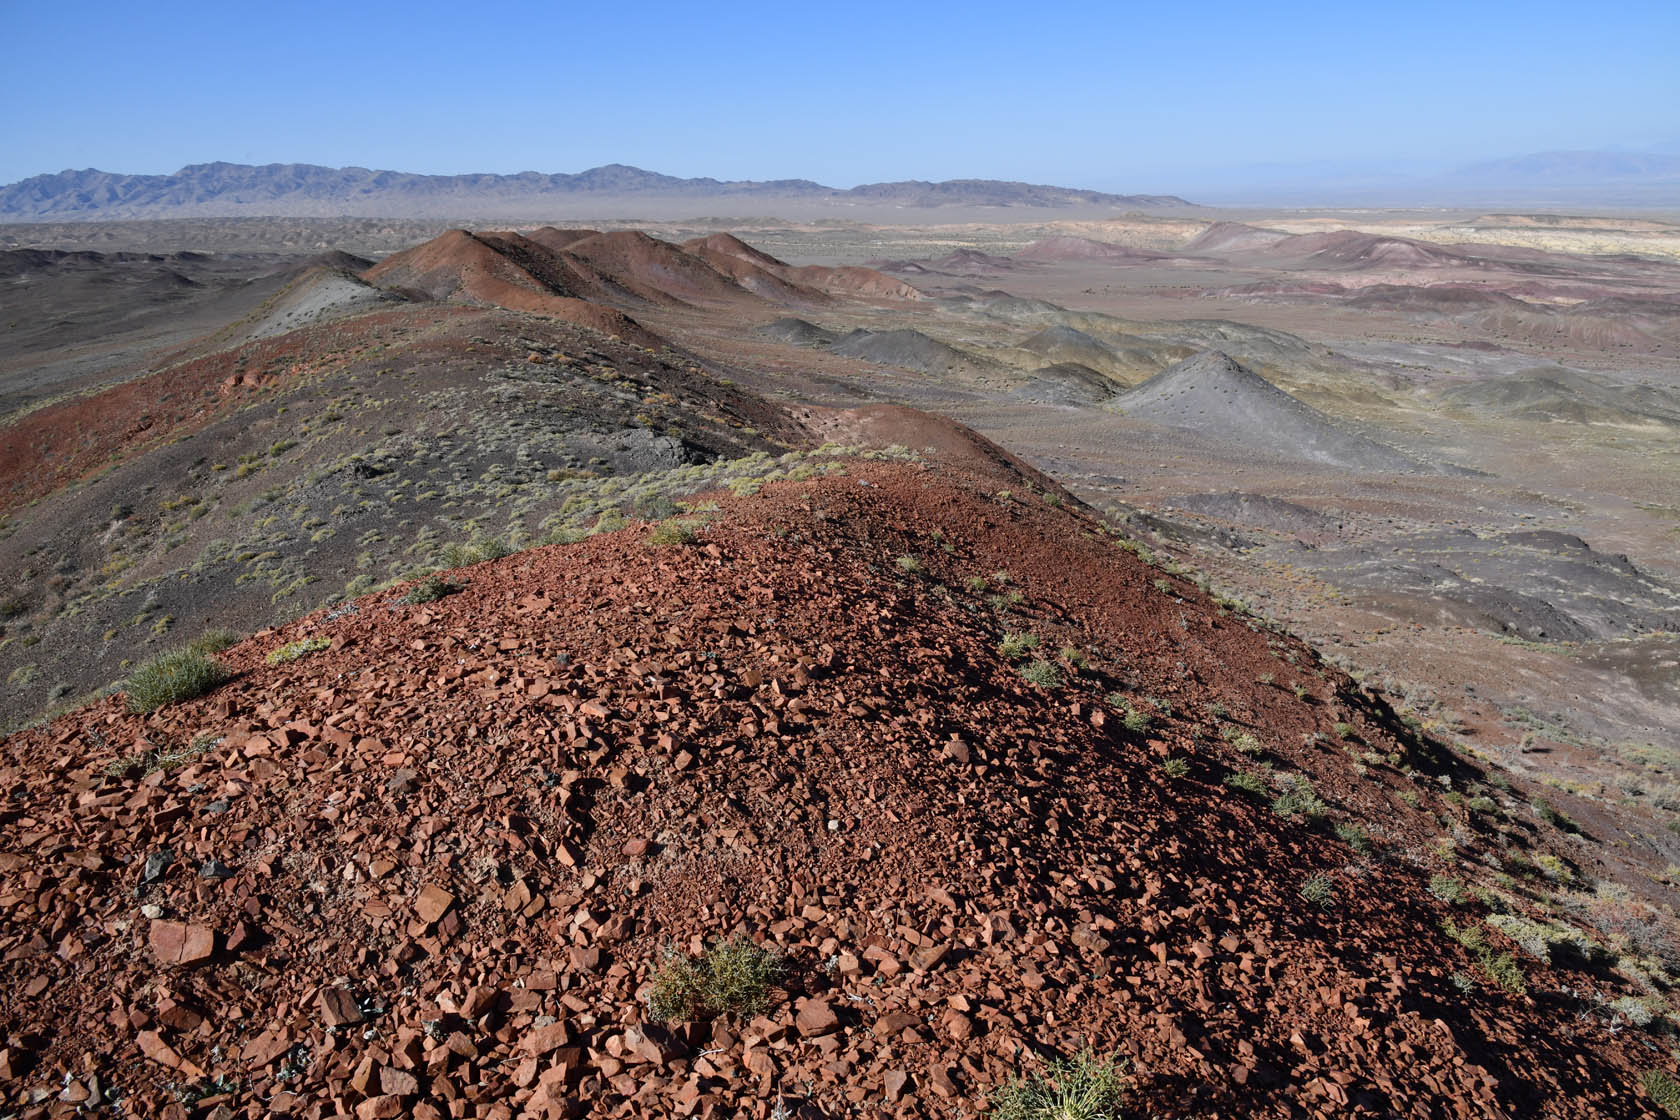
x=1218 y=397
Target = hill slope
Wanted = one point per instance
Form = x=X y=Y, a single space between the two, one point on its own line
x=1216 y=397
x=444 y=857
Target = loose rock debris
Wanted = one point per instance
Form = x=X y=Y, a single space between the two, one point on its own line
x=452 y=850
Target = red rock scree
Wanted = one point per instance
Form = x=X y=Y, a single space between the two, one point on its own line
x=431 y=870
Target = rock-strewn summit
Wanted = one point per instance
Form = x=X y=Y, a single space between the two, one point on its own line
x=988 y=789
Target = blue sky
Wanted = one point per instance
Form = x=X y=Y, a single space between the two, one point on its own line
x=1121 y=96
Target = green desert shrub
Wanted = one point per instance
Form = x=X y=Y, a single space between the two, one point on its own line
x=1250 y=784
x=1299 y=801
x=1015 y=646
x=213 y=641
x=1446 y=888
x=1082 y=1088
x=733 y=976
x=1663 y=1090
x=1355 y=836
x=172 y=677
x=291 y=651
x=430 y=590
x=475 y=551
x=672 y=533
x=1318 y=891
x=1042 y=673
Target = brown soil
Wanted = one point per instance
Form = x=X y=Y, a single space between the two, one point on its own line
x=452 y=847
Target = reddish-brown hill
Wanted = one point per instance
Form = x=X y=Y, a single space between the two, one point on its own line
x=431 y=869
x=507 y=270
x=656 y=270
x=849 y=280
x=556 y=239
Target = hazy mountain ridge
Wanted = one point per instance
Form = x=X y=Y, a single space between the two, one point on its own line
x=1578 y=167
x=222 y=189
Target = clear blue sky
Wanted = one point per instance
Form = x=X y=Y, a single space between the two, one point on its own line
x=1107 y=95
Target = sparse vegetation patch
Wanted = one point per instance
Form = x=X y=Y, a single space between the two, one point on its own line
x=292 y=651
x=733 y=976
x=171 y=678
x=1084 y=1087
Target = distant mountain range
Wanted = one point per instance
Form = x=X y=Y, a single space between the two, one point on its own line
x=307 y=190
x=1648 y=178
x=1578 y=167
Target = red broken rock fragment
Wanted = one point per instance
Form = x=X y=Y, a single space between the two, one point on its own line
x=157 y=1050
x=816 y=1017
x=339 y=1008
x=433 y=903
x=180 y=942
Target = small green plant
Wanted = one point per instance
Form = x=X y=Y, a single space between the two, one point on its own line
x=1318 y=891
x=1242 y=741
x=1175 y=767
x=1548 y=813
x=1074 y=656
x=1638 y=1012
x=292 y=651
x=1354 y=836
x=213 y=641
x=1042 y=673
x=173 y=677
x=1250 y=784
x=1663 y=1090
x=672 y=532
x=908 y=564
x=1446 y=888
x=1135 y=721
x=149 y=762
x=476 y=551
x=1016 y=646
x=1344 y=731
x=1299 y=801
x=976 y=584
x=732 y=976
x=1501 y=968
x=430 y=590
x=1083 y=1088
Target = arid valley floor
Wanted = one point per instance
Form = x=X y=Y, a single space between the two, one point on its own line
x=1375 y=513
